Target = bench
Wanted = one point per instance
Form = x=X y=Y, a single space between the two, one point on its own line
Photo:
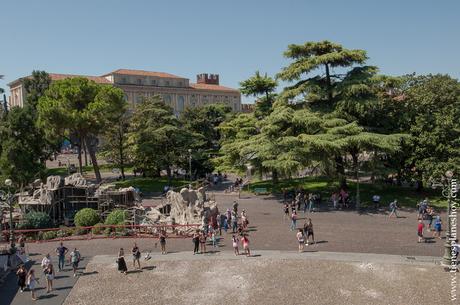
x=260 y=190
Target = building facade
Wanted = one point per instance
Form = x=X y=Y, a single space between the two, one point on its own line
x=177 y=92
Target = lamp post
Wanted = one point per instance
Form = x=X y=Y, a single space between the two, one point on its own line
x=447 y=258
x=190 y=164
x=8 y=198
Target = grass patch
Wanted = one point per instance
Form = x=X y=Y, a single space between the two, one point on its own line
x=407 y=197
x=150 y=184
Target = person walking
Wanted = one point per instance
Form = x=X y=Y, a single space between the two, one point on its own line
x=49 y=274
x=136 y=256
x=245 y=241
x=235 y=241
x=22 y=277
x=420 y=230
x=393 y=208
x=234 y=222
x=225 y=223
x=32 y=282
x=293 y=220
x=300 y=239
x=61 y=251
x=437 y=227
x=309 y=232
x=335 y=199
x=75 y=258
x=46 y=261
x=121 y=262
x=196 y=242
x=286 y=211
x=203 y=243
x=311 y=198
x=162 y=240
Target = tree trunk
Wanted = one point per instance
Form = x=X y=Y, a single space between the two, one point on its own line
x=328 y=84
x=340 y=169
x=354 y=156
x=86 y=153
x=80 y=165
x=121 y=154
x=275 y=176
x=168 y=173
x=92 y=154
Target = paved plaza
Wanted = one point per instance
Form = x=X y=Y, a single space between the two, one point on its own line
x=359 y=258
x=273 y=277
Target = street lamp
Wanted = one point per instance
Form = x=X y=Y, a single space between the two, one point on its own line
x=190 y=164
x=447 y=258
x=8 y=198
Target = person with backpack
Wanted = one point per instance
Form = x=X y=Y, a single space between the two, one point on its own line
x=136 y=256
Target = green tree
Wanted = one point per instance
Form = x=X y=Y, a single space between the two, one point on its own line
x=81 y=108
x=157 y=140
x=20 y=148
x=115 y=143
x=312 y=56
x=256 y=86
x=434 y=125
x=35 y=87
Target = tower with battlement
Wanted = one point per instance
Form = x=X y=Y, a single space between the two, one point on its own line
x=209 y=79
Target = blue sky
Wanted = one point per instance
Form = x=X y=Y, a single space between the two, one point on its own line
x=231 y=38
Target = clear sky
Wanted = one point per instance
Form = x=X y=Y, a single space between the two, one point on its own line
x=232 y=38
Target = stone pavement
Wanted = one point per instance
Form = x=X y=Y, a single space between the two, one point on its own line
x=270 y=277
x=63 y=284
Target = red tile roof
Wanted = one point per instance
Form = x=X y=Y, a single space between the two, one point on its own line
x=212 y=87
x=97 y=79
x=143 y=73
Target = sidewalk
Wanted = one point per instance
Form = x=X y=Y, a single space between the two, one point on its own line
x=63 y=283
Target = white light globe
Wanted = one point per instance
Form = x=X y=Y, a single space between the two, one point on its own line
x=8 y=182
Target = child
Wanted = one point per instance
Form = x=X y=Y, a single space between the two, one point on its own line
x=235 y=241
x=213 y=238
x=420 y=230
x=437 y=227
x=245 y=242
x=300 y=240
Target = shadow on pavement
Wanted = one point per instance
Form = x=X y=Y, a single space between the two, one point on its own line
x=47 y=296
x=149 y=268
x=63 y=288
x=89 y=273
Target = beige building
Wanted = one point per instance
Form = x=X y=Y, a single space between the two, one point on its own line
x=176 y=91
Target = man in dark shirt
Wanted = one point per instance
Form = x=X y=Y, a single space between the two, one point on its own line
x=61 y=252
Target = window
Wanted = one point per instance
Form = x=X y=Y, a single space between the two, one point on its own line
x=180 y=103
x=124 y=80
x=153 y=82
x=167 y=83
x=167 y=99
x=139 y=81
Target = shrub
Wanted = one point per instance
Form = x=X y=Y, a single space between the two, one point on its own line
x=36 y=220
x=116 y=217
x=49 y=235
x=97 y=229
x=107 y=231
x=80 y=231
x=86 y=217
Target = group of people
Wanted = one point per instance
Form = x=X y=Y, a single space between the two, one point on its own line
x=29 y=279
x=304 y=234
x=300 y=199
x=428 y=220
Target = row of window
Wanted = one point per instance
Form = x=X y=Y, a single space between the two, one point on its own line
x=152 y=82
